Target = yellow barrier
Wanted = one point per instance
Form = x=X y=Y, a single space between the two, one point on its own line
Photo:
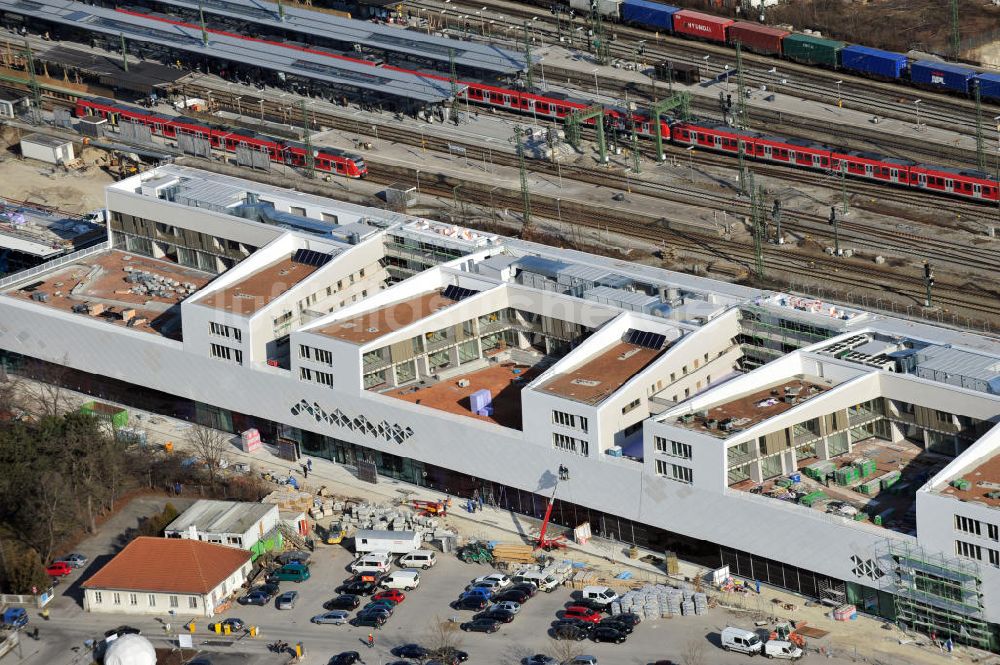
x=191 y=627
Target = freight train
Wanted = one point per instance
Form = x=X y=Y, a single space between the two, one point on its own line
x=280 y=151
x=802 y=48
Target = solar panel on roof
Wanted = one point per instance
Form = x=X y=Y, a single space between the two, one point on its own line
x=645 y=339
x=457 y=293
x=311 y=258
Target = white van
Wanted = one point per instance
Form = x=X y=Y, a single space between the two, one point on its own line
x=782 y=649
x=744 y=641
x=376 y=562
x=402 y=579
x=599 y=594
x=541 y=581
x=419 y=559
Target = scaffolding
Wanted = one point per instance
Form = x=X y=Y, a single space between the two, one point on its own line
x=937 y=593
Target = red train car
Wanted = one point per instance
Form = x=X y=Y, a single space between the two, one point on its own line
x=758 y=38
x=967 y=184
x=702 y=26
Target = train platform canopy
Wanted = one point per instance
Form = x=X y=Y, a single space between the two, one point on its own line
x=386 y=38
x=335 y=71
x=141 y=77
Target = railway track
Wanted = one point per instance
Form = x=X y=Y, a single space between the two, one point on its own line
x=656 y=228
x=890 y=100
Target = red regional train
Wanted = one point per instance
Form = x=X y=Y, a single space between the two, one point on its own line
x=967 y=184
x=329 y=160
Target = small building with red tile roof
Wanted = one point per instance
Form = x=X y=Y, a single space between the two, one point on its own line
x=160 y=575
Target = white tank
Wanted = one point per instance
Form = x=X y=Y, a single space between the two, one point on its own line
x=130 y=650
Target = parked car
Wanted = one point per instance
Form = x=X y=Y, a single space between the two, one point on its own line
x=345 y=658
x=503 y=616
x=386 y=606
x=410 y=651
x=471 y=603
x=630 y=618
x=498 y=578
x=14 y=618
x=512 y=595
x=235 y=625
x=595 y=605
x=482 y=592
x=286 y=601
x=295 y=556
x=75 y=560
x=379 y=610
x=582 y=613
x=392 y=594
x=527 y=588
x=290 y=573
x=450 y=656
x=493 y=585
x=570 y=631
x=58 y=569
x=122 y=630
x=358 y=588
x=255 y=597
x=336 y=617
x=582 y=660
x=782 y=649
x=608 y=634
x=613 y=622
x=540 y=659
x=508 y=605
x=343 y=602
x=270 y=588
x=373 y=620
x=481 y=626
x=744 y=641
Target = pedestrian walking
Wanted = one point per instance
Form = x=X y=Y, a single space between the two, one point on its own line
x=305 y=470
x=309 y=463
x=371 y=640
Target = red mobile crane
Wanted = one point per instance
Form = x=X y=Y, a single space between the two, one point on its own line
x=544 y=543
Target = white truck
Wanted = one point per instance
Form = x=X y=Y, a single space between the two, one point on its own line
x=782 y=649
x=390 y=542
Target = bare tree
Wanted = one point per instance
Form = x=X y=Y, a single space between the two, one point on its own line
x=694 y=652
x=443 y=638
x=51 y=397
x=11 y=393
x=210 y=446
x=565 y=650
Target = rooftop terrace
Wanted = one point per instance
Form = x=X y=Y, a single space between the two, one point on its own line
x=258 y=290
x=744 y=412
x=599 y=377
x=980 y=482
x=504 y=381
x=379 y=322
x=123 y=289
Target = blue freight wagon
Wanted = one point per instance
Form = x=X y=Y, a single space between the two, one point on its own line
x=941 y=75
x=989 y=86
x=649 y=14
x=873 y=61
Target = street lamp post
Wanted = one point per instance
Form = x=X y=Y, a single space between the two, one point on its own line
x=690 y=152
x=418 y=183
x=916 y=105
x=840 y=100
x=597 y=88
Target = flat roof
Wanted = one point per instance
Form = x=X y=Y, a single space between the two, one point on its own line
x=983 y=479
x=504 y=381
x=259 y=289
x=272 y=56
x=45 y=140
x=211 y=516
x=378 y=36
x=753 y=408
x=384 y=320
x=599 y=377
x=102 y=279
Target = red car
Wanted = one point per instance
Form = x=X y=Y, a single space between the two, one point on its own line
x=394 y=595
x=583 y=614
x=58 y=569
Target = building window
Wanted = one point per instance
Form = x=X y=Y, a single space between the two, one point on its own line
x=304 y=351
x=116 y=598
x=968 y=550
x=631 y=406
x=968 y=525
x=569 y=420
x=152 y=600
x=325 y=379
x=173 y=601
x=226 y=353
x=994 y=557
x=681 y=473
x=225 y=331
x=991 y=531
x=672 y=448
x=661 y=467
x=193 y=602
x=98 y=598
x=133 y=599
x=323 y=356
x=305 y=374
x=569 y=444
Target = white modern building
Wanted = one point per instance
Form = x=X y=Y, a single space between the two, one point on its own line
x=241 y=524
x=834 y=452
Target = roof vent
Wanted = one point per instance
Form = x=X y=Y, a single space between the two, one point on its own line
x=590 y=383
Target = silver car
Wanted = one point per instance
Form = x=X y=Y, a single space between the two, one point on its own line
x=336 y=617
x=507 y=606
x=286 y=601
x=75 y=560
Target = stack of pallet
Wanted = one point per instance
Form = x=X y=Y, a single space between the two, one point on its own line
x=513 y=553
x=290 y=500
